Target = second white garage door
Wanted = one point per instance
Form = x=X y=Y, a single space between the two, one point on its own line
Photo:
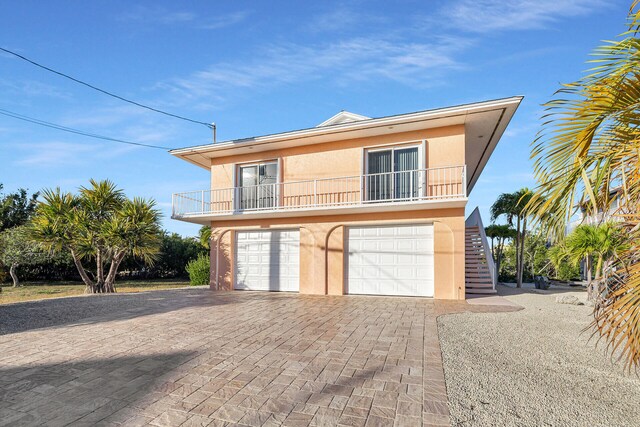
x=390 y=260
x=268 y=260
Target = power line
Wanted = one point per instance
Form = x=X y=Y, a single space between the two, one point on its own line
x=76 y=131
x=209 y=125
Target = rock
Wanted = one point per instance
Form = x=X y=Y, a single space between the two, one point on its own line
x=569 y=299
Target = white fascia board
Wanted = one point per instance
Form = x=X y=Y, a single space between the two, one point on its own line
x=462 y=110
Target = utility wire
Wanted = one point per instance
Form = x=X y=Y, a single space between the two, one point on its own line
x=209 y=125
x=76 y=131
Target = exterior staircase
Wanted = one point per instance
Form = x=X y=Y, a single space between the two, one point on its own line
x=479 y=268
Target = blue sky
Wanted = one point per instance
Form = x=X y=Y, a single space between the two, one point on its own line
x=263 y=67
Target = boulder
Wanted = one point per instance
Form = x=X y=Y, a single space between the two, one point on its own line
x=569 y=299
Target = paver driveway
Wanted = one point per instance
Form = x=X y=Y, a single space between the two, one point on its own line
x=197 y=357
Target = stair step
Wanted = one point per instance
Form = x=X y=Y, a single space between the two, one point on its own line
x=479 y=285
x=485 y=284
x=478 y=278
x=481 y=291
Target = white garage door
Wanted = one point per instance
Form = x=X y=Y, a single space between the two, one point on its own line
x=268 y=260
x=390 y=260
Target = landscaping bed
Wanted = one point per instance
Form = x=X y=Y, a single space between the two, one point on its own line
x=533 y=367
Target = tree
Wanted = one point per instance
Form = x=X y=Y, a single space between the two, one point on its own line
x=535 y=253
x=581 y=245
x=16 y=208
x=98 y=224
x=512 y=206
x=16 y=249
x=204 y=235
x=588 y=144
x=602 y=242
x=560 y=258
x=175 y=253
x=501 y=233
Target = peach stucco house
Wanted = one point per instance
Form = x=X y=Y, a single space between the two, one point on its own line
x=355 y=205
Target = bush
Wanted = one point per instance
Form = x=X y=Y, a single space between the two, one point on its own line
x=568 y=271
x=198 y=270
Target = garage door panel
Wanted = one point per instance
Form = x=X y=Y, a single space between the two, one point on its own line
x=268 y=260
x=390 y=260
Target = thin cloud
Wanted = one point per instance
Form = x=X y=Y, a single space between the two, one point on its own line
x=482 y=16
x=21 y=87
x=342 y=19
x=223 y=21
x=161 y=16
x=59 y=154
x=341 y=62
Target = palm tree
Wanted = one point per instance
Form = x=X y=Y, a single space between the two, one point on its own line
x=602 y=242
x=512 y=206
x=501 y=233
x=589 y=143
x=204 y=235
x=582 y=244
x=558 y=255
x=99 y=202
x=134 y=230
x=100 y=224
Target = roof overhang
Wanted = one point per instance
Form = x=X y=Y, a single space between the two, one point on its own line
x=484 y=122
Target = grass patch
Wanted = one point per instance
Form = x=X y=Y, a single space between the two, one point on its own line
x=38 y=291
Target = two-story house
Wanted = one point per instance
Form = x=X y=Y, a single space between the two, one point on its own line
x=355 y=205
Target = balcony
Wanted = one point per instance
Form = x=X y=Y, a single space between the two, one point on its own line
x=406 y=190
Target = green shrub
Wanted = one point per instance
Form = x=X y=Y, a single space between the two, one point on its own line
x=568 y=271
x=198 y=270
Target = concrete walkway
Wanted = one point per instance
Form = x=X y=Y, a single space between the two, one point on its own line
x=196 y=357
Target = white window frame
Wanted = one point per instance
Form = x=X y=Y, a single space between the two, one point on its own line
x=237 y=178
x=420 y=145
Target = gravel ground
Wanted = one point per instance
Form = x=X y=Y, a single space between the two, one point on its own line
x=24 y=316
x=534 y=367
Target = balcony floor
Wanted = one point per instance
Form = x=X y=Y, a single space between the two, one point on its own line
x=207 y=218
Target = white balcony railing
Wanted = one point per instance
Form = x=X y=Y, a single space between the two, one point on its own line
x=417 y=185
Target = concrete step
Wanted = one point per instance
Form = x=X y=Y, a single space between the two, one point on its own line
x=480 y=291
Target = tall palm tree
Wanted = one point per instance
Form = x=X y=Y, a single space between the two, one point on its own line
x=589 y=143
x=512 y=206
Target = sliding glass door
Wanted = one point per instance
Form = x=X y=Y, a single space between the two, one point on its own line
x=393 y=174
x=258 y=185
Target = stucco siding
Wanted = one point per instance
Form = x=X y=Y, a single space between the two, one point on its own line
x=444 y=147
x=322 y=244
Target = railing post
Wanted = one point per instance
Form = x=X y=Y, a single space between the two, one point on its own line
x=315 y=192
x=202 y=195
x=361 y=189
x=411 y=184
x=234 y=199
x=464 y=180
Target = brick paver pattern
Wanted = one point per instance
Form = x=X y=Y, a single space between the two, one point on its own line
x=233 y=358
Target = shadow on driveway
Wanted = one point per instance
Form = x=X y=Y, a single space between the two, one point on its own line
x=84 y=392
x=87 y=309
